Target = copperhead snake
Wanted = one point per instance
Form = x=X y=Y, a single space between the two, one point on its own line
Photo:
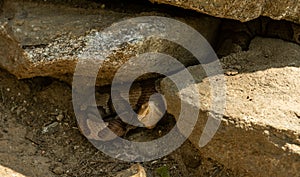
x=148 y=113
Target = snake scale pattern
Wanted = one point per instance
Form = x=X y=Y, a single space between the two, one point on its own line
x=148 y=113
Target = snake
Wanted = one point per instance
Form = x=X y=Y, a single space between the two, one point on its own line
x=148 y=112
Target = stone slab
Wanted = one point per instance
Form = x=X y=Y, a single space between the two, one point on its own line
x=242 y=10
x=259 y=133
x=41 y=39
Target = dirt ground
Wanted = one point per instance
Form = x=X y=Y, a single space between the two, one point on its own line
x=39 y=137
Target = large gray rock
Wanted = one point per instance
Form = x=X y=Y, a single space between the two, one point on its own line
x=40 y=39
x=242 y=10
x=260 y=128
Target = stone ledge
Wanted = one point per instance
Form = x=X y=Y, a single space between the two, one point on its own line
x=260 y=128
x=39 y=39
x=242 y=10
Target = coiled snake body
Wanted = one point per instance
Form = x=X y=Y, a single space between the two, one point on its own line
x=148 y=112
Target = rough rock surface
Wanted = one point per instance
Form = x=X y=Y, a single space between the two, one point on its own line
x=243 y=10
x=260 y=128
x=39 y=39
x=4 y=171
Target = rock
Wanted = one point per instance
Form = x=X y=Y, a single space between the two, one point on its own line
x=51 y=128
x=135 y=170
x=242 y=10
x=259 y=131
x=40 y=39
x=58 y=170
x=59 y=117
x=5 y=171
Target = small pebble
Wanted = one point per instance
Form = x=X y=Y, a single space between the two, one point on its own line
x=266 y=132
x=19 y=22
x=58 y=170
x=231 y=72
x=49 y=128
x=60 y=117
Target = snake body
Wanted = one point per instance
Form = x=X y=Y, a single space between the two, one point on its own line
x=148 y=113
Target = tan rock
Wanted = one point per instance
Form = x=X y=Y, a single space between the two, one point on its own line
x=135 y=170
x=242 y=10
x=5 y=171
x=39 y=39
x=260 y=130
